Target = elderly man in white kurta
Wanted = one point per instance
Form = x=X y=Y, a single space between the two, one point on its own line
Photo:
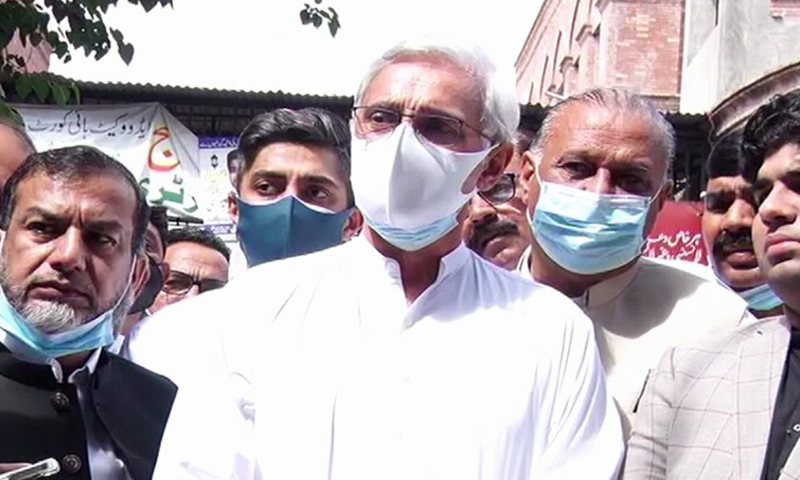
x=596 y=176
x=401 y=355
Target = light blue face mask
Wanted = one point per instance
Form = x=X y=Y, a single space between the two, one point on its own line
x=87 y=337
x=286 y=228
x=588 y=233
x=760 y=299
x=415 y=239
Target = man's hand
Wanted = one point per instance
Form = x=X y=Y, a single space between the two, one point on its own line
x=10 y=467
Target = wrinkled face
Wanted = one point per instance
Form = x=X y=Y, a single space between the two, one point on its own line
x=776 y=229
x=12 y=153
x=604 y=151
x=499 y=233
x=428 y=86
x=728 y=213
x=308 y=173
x=195 y=263
x=67 y=254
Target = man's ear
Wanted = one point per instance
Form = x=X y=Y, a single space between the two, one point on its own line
x=495 y=167
x=664 y=195
x=353 y=225
x=233 y=208
x=527 y=172
x=141 y=273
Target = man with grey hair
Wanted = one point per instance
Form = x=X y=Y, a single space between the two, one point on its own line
x=74 y=222
x=401 y=354
x=595 y=179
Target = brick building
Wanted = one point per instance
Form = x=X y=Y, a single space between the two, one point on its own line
x=577 y=44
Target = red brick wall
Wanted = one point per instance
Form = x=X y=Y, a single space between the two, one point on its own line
x=644 y=45
x=634 y=44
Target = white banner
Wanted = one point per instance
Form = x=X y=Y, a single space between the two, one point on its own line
x=160 y=151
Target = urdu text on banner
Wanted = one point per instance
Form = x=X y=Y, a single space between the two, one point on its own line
x=159 y=150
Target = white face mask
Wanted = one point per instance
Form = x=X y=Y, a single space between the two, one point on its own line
x=407 y=183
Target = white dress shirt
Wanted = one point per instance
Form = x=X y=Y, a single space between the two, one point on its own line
x=640 y=313
x=334 y=376
x=103 y=462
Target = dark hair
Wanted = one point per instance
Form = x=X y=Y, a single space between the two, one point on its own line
x=20 y=132
x=307 y=126
x=199 y=236
x=773 y=126
x=234 y=155
x=522 y=141
x=73 y=164
x=159 y=220
x=726 y=158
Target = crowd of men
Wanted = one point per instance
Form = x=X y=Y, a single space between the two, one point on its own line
x=425 y=293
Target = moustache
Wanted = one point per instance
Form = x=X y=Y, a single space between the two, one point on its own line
x=729 y=242
x=483 y=233
x=65 y=282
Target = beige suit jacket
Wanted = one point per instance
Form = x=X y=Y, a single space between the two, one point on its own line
x=707 y=410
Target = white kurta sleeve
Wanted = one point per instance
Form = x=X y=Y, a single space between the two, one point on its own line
x=583 y=431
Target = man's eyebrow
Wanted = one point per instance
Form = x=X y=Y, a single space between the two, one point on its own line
x=426 y=109
x=320 y=180
x=45 y=214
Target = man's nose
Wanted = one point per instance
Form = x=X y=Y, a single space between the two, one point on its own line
x=69 y=252
x=481 y=211
x=739 y=217
x=601 y=183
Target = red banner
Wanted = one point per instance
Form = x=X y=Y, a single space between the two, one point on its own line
x=677 y=234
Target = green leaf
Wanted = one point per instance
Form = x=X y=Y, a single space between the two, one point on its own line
x=23 y=85
x=325 y=15
x=305 y=17
x=41 y=88
x=61 y=94
x=317 y=20
x=334 y=26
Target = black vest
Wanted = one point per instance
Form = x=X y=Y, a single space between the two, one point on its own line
x=40 y=418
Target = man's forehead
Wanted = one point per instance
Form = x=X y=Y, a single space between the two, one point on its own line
x=297 y=161
x=433 y=84
x=99 y=196
x=787 y=158
x=728 y=184
x=604 y=129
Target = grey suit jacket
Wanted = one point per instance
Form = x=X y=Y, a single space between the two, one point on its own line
x=707 y=409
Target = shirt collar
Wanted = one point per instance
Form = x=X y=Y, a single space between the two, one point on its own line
x=596 y=295
x=27 y=354
x=449 y=264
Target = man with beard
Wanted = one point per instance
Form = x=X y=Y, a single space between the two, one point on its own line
x=74 y=222
x=497 y=228
x=729 y=209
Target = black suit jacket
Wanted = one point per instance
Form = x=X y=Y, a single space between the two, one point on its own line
x=40 y=418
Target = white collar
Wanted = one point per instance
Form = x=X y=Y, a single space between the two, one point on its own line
x=27 y=354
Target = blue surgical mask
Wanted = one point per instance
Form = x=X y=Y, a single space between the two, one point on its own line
x=589 y=233
x=286 y=228
x=415 y=239
x=760 y=299
x=90 y=336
